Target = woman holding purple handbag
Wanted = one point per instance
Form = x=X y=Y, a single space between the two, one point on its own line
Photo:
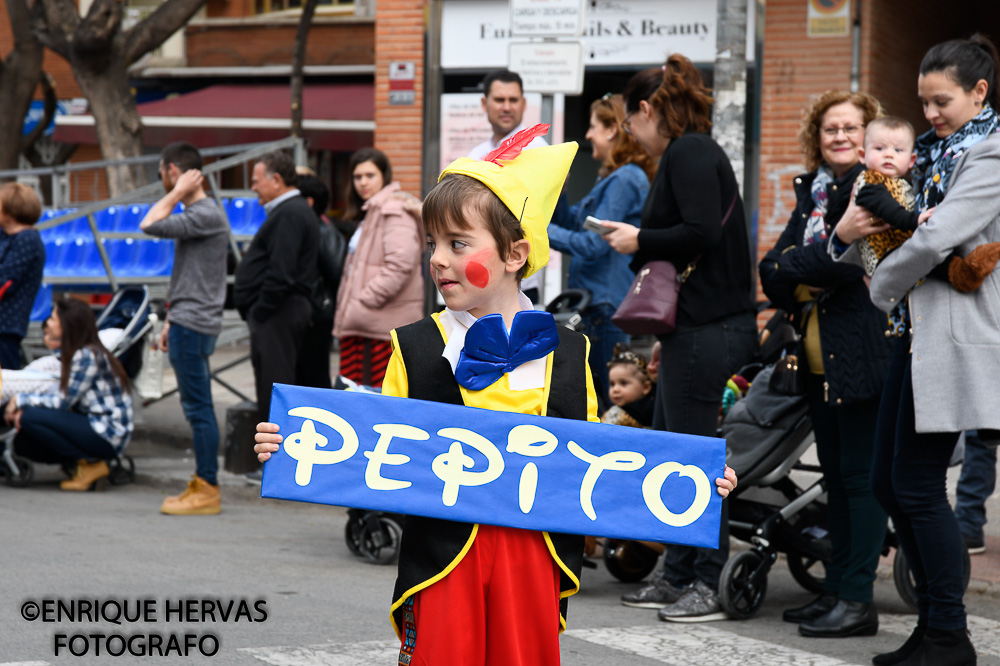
x=693 y=215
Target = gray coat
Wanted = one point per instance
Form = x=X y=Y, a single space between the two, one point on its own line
x=956 y=337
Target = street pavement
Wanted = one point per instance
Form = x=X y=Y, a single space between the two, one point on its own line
x=306 y=601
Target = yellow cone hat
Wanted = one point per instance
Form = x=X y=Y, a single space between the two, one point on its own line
x=529 y=185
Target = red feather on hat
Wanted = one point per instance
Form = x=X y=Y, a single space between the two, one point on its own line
x=513 y=146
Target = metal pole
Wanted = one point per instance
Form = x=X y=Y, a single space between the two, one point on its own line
x=104 y=254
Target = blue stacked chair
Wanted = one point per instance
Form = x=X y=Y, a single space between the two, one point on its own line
x=245 y=215
x=107 y=219
x=43 y=304
x=131 y=216
x=55 y=248
x=123 y=253
x=64 y=256
x=90 y=264
x=67 y=230
x=155 y=258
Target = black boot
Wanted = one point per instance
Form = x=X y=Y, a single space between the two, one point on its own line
x=847 y=618
x=812 y=610
x=904 y=651
x=943 y=648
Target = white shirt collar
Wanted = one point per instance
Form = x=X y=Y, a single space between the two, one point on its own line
x=530 y=375
x=275 y=202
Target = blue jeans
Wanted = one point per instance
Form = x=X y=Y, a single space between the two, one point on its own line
x=603 y=336
x=975 y=485
x=909 y=475
x=695 y=364
x=189 y=352
x=59 y=436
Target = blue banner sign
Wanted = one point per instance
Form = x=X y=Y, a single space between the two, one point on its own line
x=479 y=466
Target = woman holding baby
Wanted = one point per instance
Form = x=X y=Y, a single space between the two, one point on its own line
x=947 y=355
x=843 y=353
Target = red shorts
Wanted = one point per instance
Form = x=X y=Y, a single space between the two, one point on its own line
x=499 y=606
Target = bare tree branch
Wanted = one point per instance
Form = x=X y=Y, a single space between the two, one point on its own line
x=99 y=28
x=17 y=82
x=48 y=113
x=153 y=30
x=53 y=23
x=298 y=62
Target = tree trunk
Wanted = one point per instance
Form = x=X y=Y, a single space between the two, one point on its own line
x=730 y=89
x=298 y=62
x=19 y=75
x=104 y=83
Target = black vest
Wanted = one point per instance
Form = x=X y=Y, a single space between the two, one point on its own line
x=429 y=545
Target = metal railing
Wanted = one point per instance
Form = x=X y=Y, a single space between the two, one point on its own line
x=238 y=155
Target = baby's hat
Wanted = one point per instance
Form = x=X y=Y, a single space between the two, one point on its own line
x=528 y=181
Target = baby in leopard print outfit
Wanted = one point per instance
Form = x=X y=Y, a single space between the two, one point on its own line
x=888 y=154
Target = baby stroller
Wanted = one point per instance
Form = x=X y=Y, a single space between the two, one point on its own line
x=128 y=310
x=767 y=433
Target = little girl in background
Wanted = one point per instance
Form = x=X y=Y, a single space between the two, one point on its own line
x=631 y=391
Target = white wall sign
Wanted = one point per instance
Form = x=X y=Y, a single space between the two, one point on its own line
x=546 y=18
x=402 y=76
x=829 y=18
x=548 y=67
x=476 y=33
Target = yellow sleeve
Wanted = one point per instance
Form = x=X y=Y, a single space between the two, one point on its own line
x=395 y=382
x=591 y=393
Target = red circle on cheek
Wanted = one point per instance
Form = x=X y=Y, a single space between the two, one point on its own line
x=477 y=274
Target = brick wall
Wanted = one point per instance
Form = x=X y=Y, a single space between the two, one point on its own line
x=255 y=43
x=399 y=36
x=795 y=68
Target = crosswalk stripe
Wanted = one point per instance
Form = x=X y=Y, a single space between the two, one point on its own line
x=696 y=645
x=687 y=645
x=328 y=654
x=985 y=632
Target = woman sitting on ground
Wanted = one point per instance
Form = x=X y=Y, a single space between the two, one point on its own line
x=89 y=420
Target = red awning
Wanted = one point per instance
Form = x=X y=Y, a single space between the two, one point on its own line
x=336 y=117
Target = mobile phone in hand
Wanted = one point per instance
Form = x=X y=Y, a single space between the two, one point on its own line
x=593 y=224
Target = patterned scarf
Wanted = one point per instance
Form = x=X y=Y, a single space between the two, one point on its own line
x=815 y=230
x=936 y=159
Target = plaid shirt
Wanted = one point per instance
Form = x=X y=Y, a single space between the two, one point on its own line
x=93 y=390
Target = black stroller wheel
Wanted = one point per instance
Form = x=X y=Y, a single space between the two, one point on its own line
x=380 y=545
x=808 y=571
x=122 y=471
x=903 y=577
x=743 y=584
x=22 y=476
x=629 y=561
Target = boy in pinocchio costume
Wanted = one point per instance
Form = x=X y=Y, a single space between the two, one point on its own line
x=482 y=594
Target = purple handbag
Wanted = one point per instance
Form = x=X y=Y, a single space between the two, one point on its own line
x=650 y=306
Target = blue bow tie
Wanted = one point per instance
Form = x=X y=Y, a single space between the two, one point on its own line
x=490 y=352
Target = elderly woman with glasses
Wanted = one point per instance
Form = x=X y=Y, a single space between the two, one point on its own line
x=693 y=214
x=619 y=194
x=844 y=355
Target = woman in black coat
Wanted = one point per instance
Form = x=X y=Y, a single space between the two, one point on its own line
x=694 y=191
x=844 y=354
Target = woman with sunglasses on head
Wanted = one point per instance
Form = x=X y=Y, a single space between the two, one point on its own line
x=620 y=191
x=843 y=356
x=946 y=352
x=693 y=213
